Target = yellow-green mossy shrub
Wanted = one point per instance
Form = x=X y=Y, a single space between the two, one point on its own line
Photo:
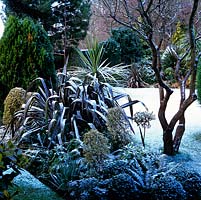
x=13 y=103
x=119 y=132
x=96 y=146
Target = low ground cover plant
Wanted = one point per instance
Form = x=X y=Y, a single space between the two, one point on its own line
x=11 y=159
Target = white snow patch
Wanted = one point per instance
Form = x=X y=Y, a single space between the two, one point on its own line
x=190 y=149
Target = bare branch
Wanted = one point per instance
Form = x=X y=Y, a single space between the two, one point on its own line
x=149 y=5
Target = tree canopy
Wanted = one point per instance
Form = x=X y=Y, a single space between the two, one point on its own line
x=37 y=10
x=72 y=20
x=65 y=21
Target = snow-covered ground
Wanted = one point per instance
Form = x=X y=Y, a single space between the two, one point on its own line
x=190 y=149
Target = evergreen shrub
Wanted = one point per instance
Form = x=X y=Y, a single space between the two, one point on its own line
x=199 y=74
x=25 y=53
x=124 y=46
x=179 y=41
x=13 y=103
x=199 y=84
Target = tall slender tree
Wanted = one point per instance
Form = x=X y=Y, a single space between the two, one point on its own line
x=71 y=24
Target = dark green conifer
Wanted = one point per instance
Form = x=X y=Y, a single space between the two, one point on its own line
x=199 y=83
x=25 y=53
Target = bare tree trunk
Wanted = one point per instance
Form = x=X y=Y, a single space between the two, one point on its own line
x=179 y=134
x=172 y=146
x=168 y=142
x=167 y=130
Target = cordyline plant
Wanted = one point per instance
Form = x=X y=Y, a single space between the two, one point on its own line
x=153 y=20
x=93 y=65
x=51 y=117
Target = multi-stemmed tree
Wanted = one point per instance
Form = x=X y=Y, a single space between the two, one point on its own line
x=154 y=22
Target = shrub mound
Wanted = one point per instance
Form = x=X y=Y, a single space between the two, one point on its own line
x=129 y=173
x=12 y=103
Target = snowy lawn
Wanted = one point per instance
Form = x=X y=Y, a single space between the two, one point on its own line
x=190 y=149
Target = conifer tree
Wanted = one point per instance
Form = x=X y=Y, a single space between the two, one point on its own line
x=73 y=17
x=39 y=10
x=199 y=83
x=66 y=21
x=25 y=53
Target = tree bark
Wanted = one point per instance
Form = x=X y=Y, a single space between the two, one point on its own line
x=168 y=142
x=179 y=134
x=167 y=131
